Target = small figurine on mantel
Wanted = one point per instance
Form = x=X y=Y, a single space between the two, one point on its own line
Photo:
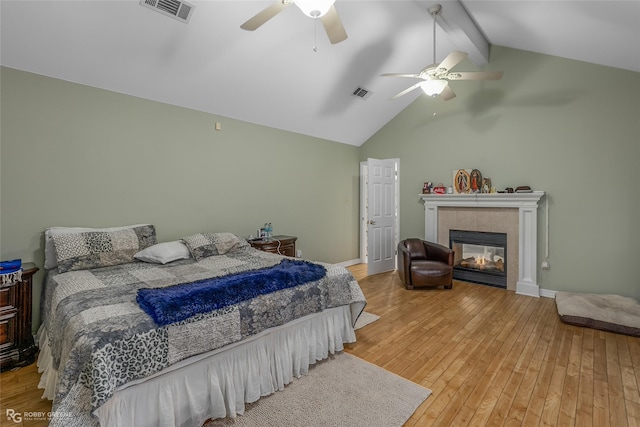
x=486 y=185
x=439 y=189
x=475 y=181
x=427 y=188
x=523 y=189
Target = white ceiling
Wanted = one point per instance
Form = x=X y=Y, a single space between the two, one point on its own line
x=272 y=76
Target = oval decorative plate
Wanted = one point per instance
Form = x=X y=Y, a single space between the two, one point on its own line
x=461 y=181
x=475 y=181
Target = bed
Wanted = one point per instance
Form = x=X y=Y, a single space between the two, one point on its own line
x=142 y=333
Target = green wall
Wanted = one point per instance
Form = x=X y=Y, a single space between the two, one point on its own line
x=566 y=127
x=73 y=155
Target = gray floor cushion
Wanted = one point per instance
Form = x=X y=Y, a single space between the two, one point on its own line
x=613 y=313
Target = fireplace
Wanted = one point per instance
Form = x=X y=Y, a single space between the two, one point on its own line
x=513 y=213
x=480 y=257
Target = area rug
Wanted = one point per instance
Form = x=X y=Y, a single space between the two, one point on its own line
x=612 y=313
x=364 y=319
x=340 y=391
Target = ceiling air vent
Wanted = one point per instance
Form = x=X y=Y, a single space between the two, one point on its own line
x=361 y=93
x=180 y=10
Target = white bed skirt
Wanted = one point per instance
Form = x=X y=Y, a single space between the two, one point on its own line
x=217 y=384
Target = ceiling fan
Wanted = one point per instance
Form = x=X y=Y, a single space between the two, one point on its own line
x=323 y=9
x=436 y=76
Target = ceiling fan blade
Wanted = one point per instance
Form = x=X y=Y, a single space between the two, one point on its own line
x=263 y=16
x=415 y=76
x=475 y=75
x=447 y=93
x=452 y=60
x=407 y=90
x=333 y=26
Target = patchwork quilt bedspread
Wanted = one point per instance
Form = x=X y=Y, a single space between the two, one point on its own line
x=100 y=338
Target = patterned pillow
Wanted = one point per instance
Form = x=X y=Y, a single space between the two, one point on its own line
x=94 y=249
x=203 y=245
x=50 y=259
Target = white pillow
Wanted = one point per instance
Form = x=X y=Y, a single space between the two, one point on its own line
x=163 y=253
x=50 y=257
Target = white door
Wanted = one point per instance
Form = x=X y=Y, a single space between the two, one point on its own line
x=381 y=215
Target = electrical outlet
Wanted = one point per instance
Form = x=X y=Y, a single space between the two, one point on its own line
x=545 y=265
x=299 y=253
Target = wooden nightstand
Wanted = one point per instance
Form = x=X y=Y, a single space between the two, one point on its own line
x=283 y=245
x=17 y=347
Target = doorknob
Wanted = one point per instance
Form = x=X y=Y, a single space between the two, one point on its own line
x=371 y=222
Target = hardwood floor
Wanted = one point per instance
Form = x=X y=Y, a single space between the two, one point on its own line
x=19 y=392
x=494 y=358
x=491 y=358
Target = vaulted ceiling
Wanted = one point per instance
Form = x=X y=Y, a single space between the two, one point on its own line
x=286 y=74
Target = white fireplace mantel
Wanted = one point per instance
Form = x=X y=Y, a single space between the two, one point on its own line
x=527 y=205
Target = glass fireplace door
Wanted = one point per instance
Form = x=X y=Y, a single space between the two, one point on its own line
x=480 y=257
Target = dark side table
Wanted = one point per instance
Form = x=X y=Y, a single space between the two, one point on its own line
x=17 y=347
x=283 y=245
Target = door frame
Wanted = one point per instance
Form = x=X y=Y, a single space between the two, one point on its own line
x=363 y=208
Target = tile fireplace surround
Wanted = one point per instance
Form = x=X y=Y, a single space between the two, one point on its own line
x=513 y=213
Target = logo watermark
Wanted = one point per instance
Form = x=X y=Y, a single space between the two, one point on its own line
x=18 y=417
x=14 y=416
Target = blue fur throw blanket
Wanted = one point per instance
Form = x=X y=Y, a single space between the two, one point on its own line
x=175 y=303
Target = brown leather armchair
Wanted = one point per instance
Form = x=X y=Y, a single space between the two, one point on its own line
x=422 y=263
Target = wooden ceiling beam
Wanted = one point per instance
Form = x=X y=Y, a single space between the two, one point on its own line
x=454 y=20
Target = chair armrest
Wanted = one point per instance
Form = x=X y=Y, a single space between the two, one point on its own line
x=438 y=252
x=404 y=263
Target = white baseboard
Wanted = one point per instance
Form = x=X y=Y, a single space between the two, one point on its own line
x=548 y=293
x=350 y=262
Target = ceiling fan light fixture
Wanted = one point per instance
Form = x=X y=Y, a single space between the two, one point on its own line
x=314 y=8
x=434 y=87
